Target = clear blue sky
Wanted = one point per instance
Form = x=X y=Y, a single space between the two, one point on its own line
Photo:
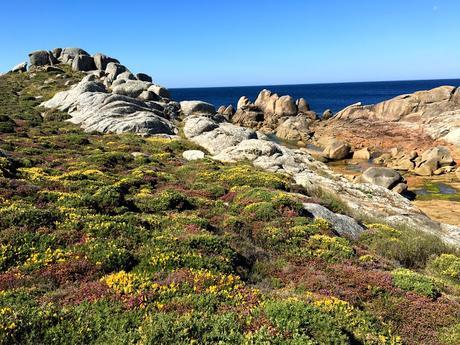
x=253 y=42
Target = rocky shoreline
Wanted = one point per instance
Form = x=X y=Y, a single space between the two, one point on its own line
x=415 y=133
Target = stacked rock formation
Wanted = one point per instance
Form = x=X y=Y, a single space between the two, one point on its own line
x=434 y=161
x=289 y=119
x=110 y=98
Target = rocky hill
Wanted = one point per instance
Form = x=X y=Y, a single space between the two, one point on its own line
x=127 y=217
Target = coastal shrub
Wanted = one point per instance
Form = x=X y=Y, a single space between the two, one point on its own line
x=329 y=248
x=165 y=200
x=171 y=328
x=410 y=248
x=109 y=159
x=109 y=255
x=247 y=176
x=109 y=199
x=446 y=266
x=23 y=215
x=263 y=211
x=324 y=321
x=412 y=281
x=7 y=125
x=450 y=335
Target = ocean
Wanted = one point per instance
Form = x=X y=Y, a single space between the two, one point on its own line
x=320 y=96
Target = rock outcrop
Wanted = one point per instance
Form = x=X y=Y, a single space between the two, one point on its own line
x=230 y=143
x=409 y=121
x=289 y=119
x=112 y=100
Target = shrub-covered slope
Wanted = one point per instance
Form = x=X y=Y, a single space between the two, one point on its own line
x=116 y=239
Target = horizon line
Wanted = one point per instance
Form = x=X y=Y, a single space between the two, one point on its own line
x=315 y=83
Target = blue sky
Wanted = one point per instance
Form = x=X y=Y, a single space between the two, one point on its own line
x=222 y=43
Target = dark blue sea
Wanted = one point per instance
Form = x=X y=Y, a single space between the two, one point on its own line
x=320 y=96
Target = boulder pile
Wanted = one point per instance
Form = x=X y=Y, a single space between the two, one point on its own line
x=434 y=161
x=109 y=98
x=289 y=119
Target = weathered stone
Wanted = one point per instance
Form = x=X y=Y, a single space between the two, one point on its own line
x=57 y=52
x=144 y=77
x=131 y=88
x=403 y=164
x=40 y=58
x=266 y=101
x=160 y=91
x=101 y=61
x=363 y=154
x=192 y=155
x=427 y=168
x=302 y=106
x=327 y=114
x=89 y=105
x=285 y=106
x=400 y=188
x=294 y=128
x=83 y=63
x=243 y=102
x=73 y=52
x=197 y=107
x=229 y=112
x=384 y=177
x=113 y=69
x=221 y=110
x=343 y=225
x=441 y=154
x=22 y=67
x=337 y=150
x=149 y=96
x=126 y=75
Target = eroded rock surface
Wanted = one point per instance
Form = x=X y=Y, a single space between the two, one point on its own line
x=414 y=121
